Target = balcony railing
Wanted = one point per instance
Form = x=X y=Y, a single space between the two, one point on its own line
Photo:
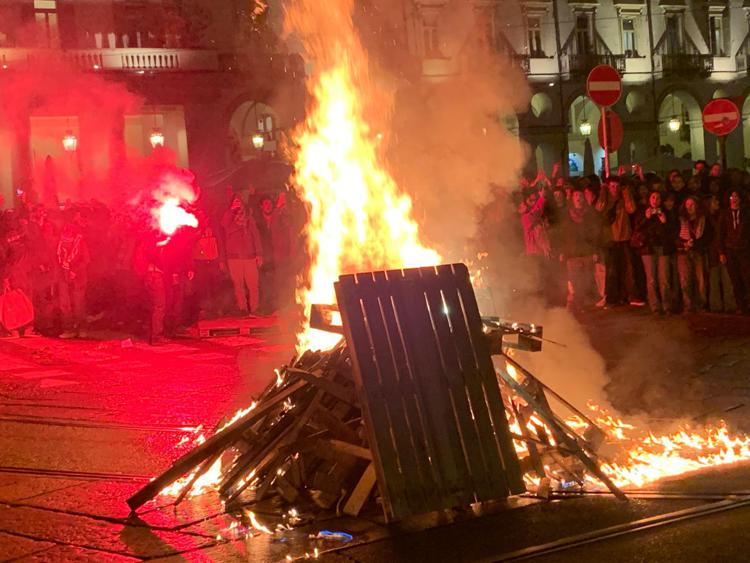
x=684 y=64
x=127 y=60
x=581 y=64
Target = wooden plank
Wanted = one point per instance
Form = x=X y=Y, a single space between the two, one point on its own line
x=474 y=425
x=338 y=391
x=424 y=446
x=261 y=458
x=423 y=356
x=337 y=428
x=215 y=443
x=536 y=460
x=393 y=492
x=385 y=380
x=361 y=492
x=485 y=400
x=568 y=442
x=488 y=378
x=351 y=449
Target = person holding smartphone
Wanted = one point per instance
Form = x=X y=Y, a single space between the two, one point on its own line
x=649 y=240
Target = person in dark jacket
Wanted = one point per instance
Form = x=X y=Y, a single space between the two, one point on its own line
x=691 y=255
x=73 y=262
x=720 y=293
x=147 y=263
x=276 y=274
x=734 y=247
x=244 y=253
x=649 y=240
x=580 y=245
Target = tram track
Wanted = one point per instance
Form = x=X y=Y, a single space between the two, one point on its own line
x=75 y=475
x=81 y=423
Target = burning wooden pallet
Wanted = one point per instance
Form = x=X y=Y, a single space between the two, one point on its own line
x=409 y=401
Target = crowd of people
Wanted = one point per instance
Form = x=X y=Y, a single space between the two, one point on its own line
x=679 y=243
x=80 y=266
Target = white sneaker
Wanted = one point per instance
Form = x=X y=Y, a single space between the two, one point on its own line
x=637 y=303
x=602 y=302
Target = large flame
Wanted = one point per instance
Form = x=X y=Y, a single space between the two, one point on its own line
x=359 y=219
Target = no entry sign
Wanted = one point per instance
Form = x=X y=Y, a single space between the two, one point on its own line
x=614 y=130
x=721 y=117
x=604 y=85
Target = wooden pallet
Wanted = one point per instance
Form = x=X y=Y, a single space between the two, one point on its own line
x=232 y=326
x=434 y=416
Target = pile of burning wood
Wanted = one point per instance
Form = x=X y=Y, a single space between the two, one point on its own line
x=302 y=436
x=303 y=442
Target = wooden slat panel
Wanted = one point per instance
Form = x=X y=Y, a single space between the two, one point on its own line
x=471 y=379
x=435 y=419
x=489 y=379
x=390 y=482
x=423 y=353
x=424 y=447
x=385 y=381
x=466 y=414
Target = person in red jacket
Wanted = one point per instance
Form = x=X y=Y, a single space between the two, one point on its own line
x=244 y=255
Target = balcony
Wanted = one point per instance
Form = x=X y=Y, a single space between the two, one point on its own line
x=684 y=64
x=116 y=60
x=581 y=64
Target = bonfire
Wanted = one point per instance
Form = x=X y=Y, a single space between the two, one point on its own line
x=361 y=220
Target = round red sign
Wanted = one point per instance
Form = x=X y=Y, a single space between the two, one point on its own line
x=604 y=85
x=721 y=117
x=614 y=131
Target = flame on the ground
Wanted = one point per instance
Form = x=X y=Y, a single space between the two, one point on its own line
x=359 y=218
x=647 y=456
x=632 y=456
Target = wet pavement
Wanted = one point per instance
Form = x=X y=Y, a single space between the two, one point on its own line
x=84 y=424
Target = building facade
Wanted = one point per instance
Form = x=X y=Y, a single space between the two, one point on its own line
x=87 y=85
x=674 y=56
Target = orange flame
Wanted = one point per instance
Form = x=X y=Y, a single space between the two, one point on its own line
x=359 y=218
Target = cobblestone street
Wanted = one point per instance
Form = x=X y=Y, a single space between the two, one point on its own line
x=86 y=423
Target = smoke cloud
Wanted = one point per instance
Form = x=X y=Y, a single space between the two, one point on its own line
x=450 y=148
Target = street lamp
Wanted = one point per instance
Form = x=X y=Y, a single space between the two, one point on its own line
x=259 y=140
x=674 y=124
x=585 y=128
x=70 y=141
x=156 y=138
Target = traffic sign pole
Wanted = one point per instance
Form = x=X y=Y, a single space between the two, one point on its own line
x=604 y=87
x=723 y=151
x=605 y=142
